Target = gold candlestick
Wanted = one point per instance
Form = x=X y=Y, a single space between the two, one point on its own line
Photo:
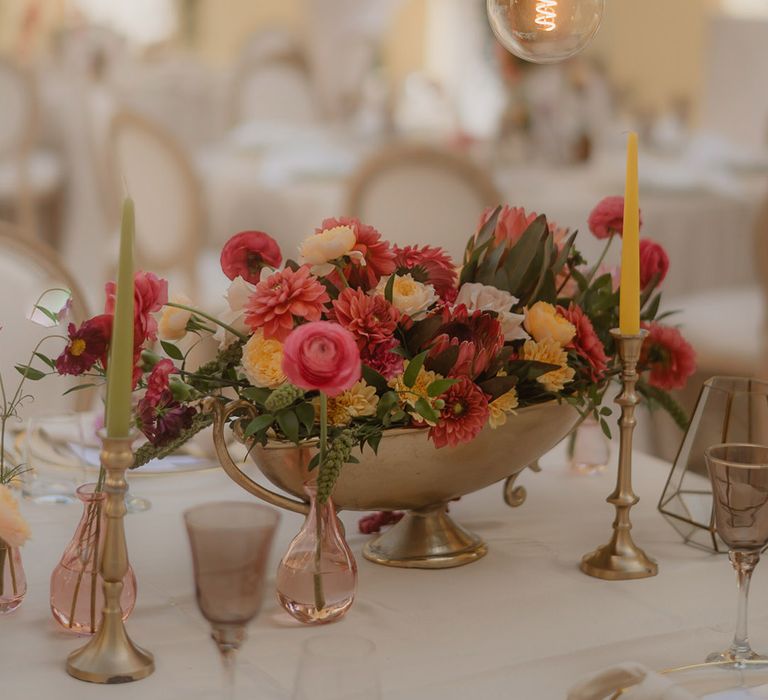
x=621 y=558
x=110 y=656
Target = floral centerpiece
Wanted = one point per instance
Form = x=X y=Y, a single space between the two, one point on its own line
x=524 y=320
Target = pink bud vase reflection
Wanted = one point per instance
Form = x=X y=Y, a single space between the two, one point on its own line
x=76 y=585
x=317 y=584
x=13 y=582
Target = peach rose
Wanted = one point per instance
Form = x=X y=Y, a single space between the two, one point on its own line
x=173 y=321
x=319 y=249
x=322 y=355
x=543 y=321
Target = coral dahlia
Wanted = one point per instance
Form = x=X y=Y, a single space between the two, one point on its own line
x=463 y=417
x=371 y=319
x=282 y=298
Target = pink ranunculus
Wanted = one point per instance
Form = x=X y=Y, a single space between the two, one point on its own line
x=654 y=261
x=322 y=355
x=150 y=295
x=607 y=218
x=667 y=356
x=246 y=253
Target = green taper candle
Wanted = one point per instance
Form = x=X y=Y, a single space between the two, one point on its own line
x=120 y=369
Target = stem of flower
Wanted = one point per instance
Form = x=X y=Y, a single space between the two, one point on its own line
x=212 y=319
x=318 y=575
x=599 y=262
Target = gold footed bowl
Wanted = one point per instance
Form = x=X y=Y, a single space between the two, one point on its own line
x=408 y=473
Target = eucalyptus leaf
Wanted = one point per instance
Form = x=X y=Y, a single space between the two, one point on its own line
x=305 y=412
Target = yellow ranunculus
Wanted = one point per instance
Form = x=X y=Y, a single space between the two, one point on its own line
x=263 y=361
x=543 y=322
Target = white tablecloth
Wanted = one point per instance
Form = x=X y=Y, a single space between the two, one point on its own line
x=521 y=623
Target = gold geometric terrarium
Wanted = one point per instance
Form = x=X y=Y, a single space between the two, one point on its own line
x=729 y=409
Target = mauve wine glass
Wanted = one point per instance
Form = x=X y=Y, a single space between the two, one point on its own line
x=739 y=474
x=230 y=547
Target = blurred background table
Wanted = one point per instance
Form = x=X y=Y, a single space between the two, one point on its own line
x=522 y=622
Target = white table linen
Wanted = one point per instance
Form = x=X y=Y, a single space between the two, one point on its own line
x=523 y=622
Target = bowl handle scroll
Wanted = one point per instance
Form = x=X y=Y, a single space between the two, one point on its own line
x=221 y=414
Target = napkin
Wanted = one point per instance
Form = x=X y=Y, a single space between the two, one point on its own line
x=644 y=684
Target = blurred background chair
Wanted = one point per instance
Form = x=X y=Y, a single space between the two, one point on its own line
x=29 y=176
x=28 y=269
x=147 y=163
x=418 y=193
x=272 y=85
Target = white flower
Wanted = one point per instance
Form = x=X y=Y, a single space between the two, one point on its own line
x=237 y=296
x=409 y=296
x=319 y=249
x=173 y=321
x=482 y=297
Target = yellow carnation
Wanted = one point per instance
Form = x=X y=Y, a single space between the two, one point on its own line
x=409 y=295
x=173 y=321
x=356 y=402
x=263 y=361
x=500 y=407
x=543 y=322
x=14 y=530
x=552 y=353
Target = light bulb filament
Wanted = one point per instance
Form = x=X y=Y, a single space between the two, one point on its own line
x=546 y=14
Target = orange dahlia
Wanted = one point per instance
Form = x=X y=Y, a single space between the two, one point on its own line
x=281 y=299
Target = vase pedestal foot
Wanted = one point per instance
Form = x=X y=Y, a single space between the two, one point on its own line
x=426 y=539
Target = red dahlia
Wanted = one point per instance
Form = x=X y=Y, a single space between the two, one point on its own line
x=463 y=417
x=429 y=265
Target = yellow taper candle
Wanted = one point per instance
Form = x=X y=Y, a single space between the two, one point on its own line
x=629 y=304
x=120 y=369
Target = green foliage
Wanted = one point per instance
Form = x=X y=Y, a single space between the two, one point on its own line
x=338 y=453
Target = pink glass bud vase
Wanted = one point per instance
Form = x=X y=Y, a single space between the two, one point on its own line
x=317 y=577
x=76 y=585
x=13 y=582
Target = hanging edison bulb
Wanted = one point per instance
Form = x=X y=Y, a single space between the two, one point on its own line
x=545 y=31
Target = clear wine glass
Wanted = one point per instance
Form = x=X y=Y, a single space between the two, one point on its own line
x=739 y=475
x=230 y=543
x=337 y=667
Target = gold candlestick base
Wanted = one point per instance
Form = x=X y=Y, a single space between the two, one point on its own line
x=621 y=559
x=110 y=656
